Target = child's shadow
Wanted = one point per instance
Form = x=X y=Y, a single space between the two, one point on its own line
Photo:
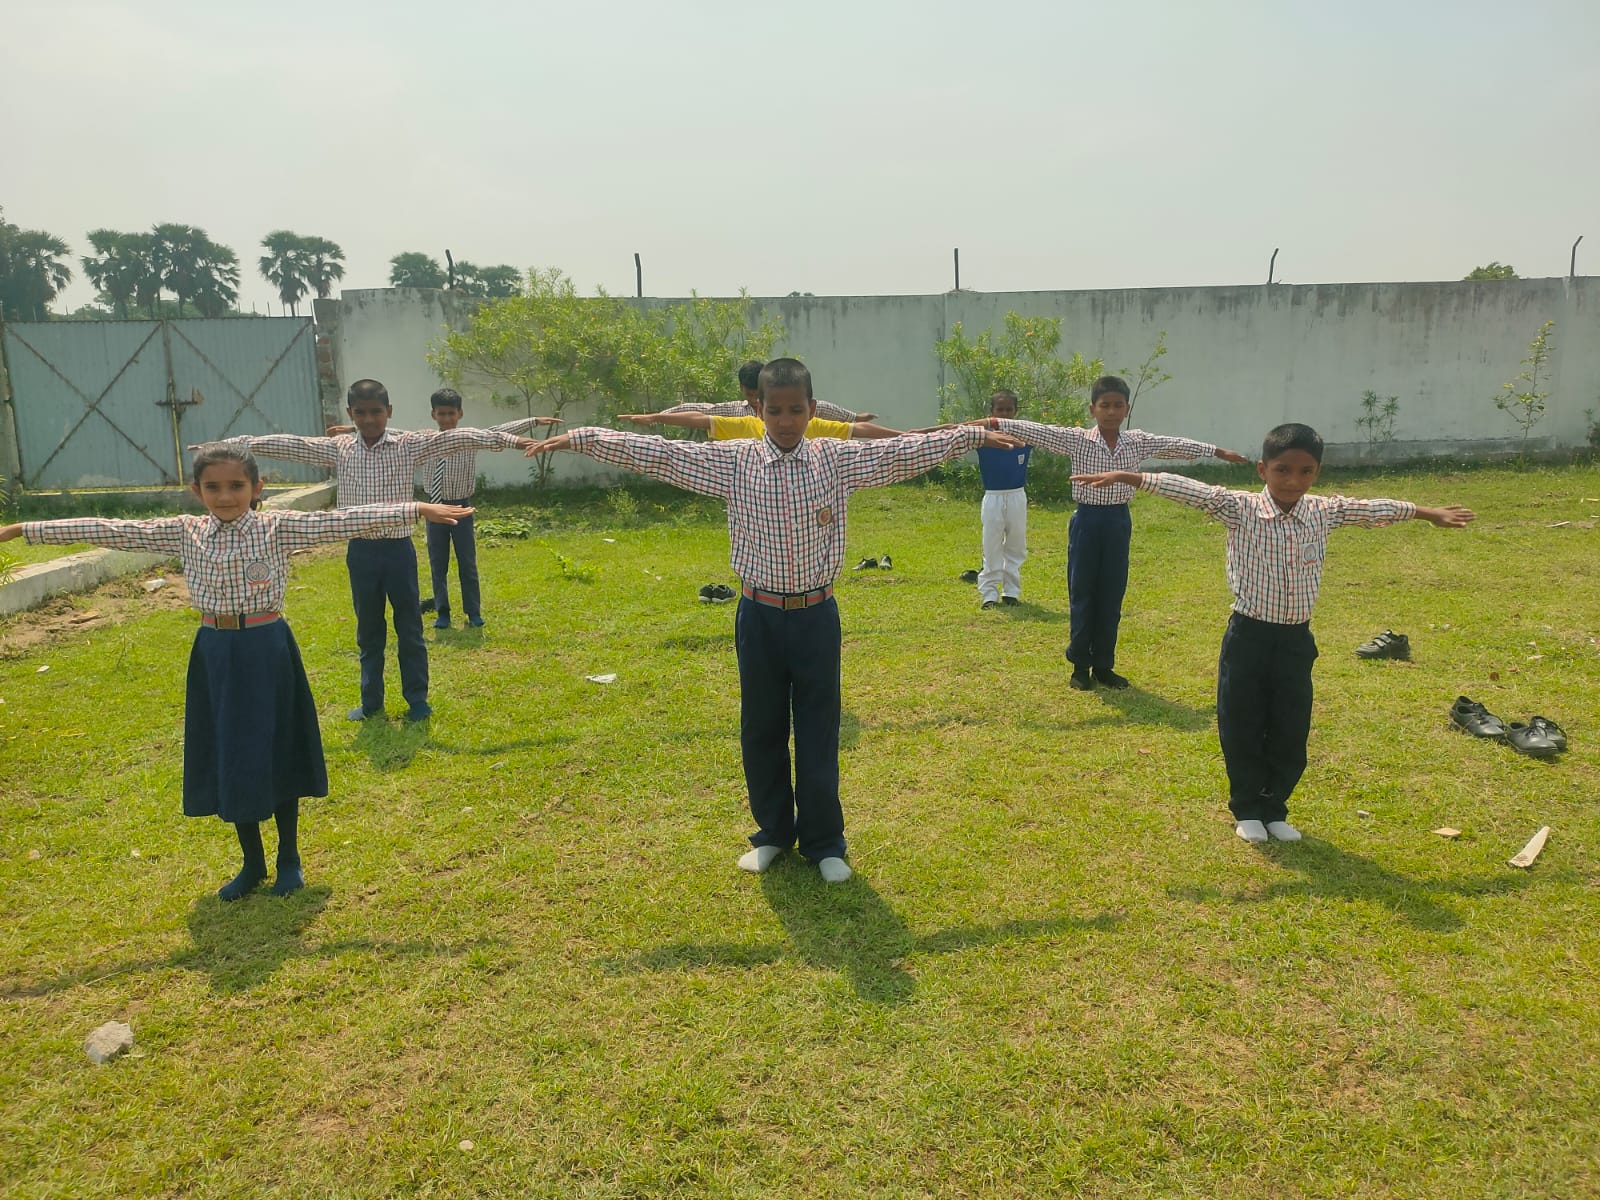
x=466 y=637
x=389 y=746
x=1332 y=873
x=848 y=928
x=1146 y=708
x=1028 y=611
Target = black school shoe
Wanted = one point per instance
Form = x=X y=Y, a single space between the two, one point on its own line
x=1387 y=644
x=1550 y=730
x=1473 y=718
x=1010 y=601
x=866 y=564
x=969 y=577
x=716 y=593
x=1525 y=739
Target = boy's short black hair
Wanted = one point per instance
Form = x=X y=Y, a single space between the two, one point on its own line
x=1293 y=436
x=784 y=372
x=445 y=398
x=367 y=389
x=1109 y=383
x=750 y=375
x=1007 y=393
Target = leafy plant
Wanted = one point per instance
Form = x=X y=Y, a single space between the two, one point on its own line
x=503 y=527
x=623 y=505
x=573 y=570
x=8 y=564
x=1149 y=373
x=1378 y=417
x=1523 y=399
x=1494 y=270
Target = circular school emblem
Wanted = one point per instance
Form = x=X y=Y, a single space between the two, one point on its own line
x=257 y=572
x=824 y=516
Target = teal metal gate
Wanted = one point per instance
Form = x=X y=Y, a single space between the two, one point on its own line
x=113 y=403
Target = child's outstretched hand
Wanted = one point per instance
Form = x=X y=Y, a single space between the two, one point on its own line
x=336 y=430
x=444 y=514
x=1232 y=456
x=1104 y=479
x=7 y=532
x=562 y=441
x=638 y=418
x=1002 y=441
x=1451 y=516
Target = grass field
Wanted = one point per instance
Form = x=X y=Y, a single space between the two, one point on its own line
x=526 y=965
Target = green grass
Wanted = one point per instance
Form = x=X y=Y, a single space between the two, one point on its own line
x=1055 y=972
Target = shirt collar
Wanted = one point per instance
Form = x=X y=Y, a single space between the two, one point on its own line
x=1270 y=507
x=772 y=452
x=387 y=439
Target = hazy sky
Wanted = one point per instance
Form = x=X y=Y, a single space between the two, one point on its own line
x=836 y=148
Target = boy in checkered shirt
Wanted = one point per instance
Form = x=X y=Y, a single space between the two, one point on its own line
x=786 y=497
x=1276 y=542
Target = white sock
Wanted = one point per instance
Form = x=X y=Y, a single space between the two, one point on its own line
x=759 y=858
x=1283 y=831
x=1251 y=831
x=834 y=870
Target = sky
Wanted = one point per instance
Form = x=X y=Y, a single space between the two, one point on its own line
x=834 y=148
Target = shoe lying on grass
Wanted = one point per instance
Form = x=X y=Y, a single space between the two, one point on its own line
x=866 y=564
x=1473 y=718
x=716 y=593
x=1387 y=644
x=1551 y=730
x=968 y=577
x=1535 y=743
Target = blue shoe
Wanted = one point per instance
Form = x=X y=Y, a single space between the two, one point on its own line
x=360 y=714
x=443 y=622
x=476 y=622
x=419 y=712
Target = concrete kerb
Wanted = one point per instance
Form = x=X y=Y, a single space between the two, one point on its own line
x=37 y=582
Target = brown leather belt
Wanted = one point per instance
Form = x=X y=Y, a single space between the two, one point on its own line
x=788 y=600
x=239 y=620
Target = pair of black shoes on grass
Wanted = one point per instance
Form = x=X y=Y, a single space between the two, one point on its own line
x=1539 y=737
x=1085 y=678
x=882 y=563
x=716 y=593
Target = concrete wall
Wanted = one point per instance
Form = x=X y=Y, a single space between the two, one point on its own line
x=1242 y=358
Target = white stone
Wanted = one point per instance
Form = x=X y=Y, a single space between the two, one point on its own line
x=110 y=1041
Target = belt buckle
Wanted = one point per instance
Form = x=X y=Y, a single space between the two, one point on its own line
x=790 y=603
x=228 y=621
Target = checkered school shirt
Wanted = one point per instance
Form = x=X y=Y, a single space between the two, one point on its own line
x=455 y=477
x=786 y=512
x=1275 y=557
x=738 y=408
x=239 y=566
x=1090 y=454
x=383 y=472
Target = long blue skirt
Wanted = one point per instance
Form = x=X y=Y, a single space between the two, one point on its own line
x=251 y=740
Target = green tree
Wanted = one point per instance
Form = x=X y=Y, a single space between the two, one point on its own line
x=32 y=272
x=500 y=281
x=692 y=351
x=324 y=265
x=1148 y=375
x=1523 y=399
x=1494 y=270
x=119 y=269
x=286 y=265
x=192 y=266
x=415 y=269
x=217 y=282
x=1378 y=417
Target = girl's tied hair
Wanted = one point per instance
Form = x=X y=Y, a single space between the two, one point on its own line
x=212 y=453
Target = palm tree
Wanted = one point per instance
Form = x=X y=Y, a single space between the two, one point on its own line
x=176 y=258
x=122 y=267
x=37 y=272
x=415 y=269
x=147 y=282
x=285 y=265
x=325 y=265
x=217 y=280
x=500 y=281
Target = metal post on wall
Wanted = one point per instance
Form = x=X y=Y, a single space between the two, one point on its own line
x=1272 y=265
x=451 y=279
x=958 y=268
x=638 y=277
x=1572 y=270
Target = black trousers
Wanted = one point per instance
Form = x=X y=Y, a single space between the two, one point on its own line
x=1097 y=579
x=789 y=679
x=440 y=539
x=1264 y=713
x=384 y=570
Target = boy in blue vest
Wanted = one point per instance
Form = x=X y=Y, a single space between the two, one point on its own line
x=1004 y=512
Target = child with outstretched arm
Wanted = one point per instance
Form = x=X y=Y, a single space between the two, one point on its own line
x=1277 y=538
x=251 y=746
x=786 y=498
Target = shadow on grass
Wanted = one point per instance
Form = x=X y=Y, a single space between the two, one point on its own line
x=465 y=638
x=1034 y=613
x=243 y=944
x=847 y=928
x=699 y=641
x=391 y=746
x=1140 y=707
x=1332 y=873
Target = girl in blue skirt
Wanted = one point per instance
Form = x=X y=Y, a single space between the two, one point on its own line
x=251 y=744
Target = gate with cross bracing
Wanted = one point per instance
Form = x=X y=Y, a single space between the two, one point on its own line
x=101 y=404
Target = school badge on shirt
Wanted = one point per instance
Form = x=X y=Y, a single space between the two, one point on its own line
x=257 y=574
x=824 y=516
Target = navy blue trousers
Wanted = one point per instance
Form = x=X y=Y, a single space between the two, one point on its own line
x=384 y=571
x=789 y=679
x=1097 y=579
x=440 y=539
x=1264 y=713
